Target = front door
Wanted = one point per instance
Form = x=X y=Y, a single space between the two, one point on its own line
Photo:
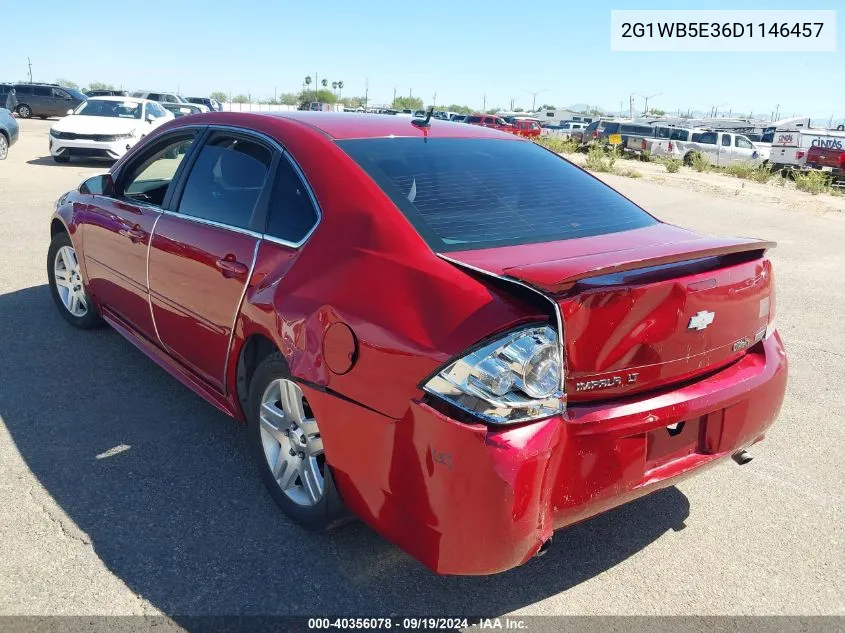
x=204 y=249
x=117 y=231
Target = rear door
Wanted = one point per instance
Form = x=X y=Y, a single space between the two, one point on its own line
x=205 y=246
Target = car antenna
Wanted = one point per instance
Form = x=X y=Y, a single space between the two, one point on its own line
x=424 y=122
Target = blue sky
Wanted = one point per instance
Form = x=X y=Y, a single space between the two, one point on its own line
x=461 y=50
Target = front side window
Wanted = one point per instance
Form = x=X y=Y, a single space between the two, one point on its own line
x=292 y=214
x=226 y=181
x=149 y=180
x=464 y=194
x=742 y=143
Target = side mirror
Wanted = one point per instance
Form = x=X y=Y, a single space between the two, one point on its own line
x=70 y=111
x=151 y=118
x=101 y=185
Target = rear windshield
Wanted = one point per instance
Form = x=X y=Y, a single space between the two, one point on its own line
x=464 y=194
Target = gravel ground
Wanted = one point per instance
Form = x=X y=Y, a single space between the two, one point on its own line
x=178 y=523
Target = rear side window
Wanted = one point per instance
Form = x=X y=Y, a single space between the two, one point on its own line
x=292 y=214
x=611 y=128
x=42 y=91
x=708 y=138
x=226 y=181
x=726 y=140
x=680 y=135
x=474 y=119
x=464 y=194
x=23 y=90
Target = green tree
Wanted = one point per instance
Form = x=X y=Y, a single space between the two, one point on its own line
x=518 y=110
x=657 y=112
x=547 y=106
x=352 y=102
x=491 y=111
x=220 y=96
x=289 y=98
x=99 y=85
x=67 y=83
x=459 y=108
x=240 y=99
x=340 y=87
x=407 y=103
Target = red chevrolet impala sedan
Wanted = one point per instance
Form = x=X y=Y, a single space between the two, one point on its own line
x=447 y=331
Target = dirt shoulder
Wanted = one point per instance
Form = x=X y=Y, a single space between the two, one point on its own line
x=778 y=192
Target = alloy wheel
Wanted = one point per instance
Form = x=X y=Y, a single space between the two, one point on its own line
x=4 y=147
x=24 y=112
x=292 y=444
x=69 y=281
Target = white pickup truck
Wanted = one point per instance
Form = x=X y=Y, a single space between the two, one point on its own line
x=721 y=149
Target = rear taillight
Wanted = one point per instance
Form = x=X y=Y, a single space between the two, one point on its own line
x=770 y=303
x=644 y=144
x=513 y=379
x=671 y=146
x=595 y=134
x=800 y=154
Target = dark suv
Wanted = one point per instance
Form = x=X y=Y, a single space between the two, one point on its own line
x=46 y=100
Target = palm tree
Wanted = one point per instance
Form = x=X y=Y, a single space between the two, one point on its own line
x=308 y=80
x=340 y=87
x=334 y=85
x=325 y=83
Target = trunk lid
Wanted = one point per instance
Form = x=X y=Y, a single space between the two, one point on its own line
x=647 y=308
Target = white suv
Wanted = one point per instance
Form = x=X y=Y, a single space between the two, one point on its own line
x=165 y=97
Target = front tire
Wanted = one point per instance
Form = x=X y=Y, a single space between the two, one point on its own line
x=69 y=293
x=4 y=147
x=288 y=448
x=24 y=111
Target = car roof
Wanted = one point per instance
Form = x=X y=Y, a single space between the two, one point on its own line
x=348 y=125
x=117 y=98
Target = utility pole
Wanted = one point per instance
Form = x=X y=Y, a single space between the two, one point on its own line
x=484 y=103
x=29 y=62
x=394 y=96
x=631 y=105
x=434 y=99
x=777 y=111
x=366 y=92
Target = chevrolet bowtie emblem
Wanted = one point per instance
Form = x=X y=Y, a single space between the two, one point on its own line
x=700 y=320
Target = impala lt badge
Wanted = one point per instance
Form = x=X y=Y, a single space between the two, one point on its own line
x=700 y=320
x=605 y=383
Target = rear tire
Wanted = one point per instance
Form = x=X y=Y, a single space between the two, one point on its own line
x=688 y=158
x=4 y=147
x=275 y=429
x=24 y=111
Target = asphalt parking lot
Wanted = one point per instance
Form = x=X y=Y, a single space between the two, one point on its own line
x=176 y=520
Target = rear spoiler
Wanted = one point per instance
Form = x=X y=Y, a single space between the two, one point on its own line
x=560 y=275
